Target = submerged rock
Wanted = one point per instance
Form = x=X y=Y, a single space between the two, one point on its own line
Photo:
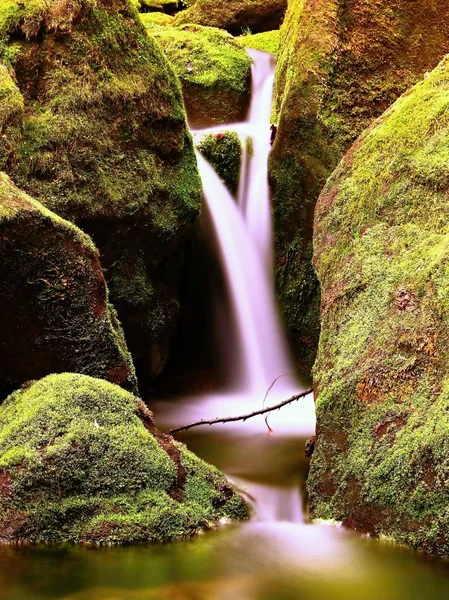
x=340 y=66
x=215 y=73
x=54 y=311
x=236 y=15
x=382 y=254
x=81 y=461
x=95 y=130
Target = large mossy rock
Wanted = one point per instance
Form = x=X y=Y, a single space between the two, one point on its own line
x=236 y=15
x=215 y=72
x=54 y=311
x=382 y=374
x=81 y=461
x=341 y=64
x=92 y=125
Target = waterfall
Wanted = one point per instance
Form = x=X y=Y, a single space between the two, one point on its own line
x=242 y=230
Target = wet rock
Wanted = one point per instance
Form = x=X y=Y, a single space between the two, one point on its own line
x=81 y=461
x=340 y=66
x=54 y=310
x=381 y=253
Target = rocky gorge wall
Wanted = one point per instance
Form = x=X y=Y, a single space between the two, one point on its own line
x=341 y=64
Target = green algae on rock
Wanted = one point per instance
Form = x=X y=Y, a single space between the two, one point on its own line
x=102 y=141
x=224 y=152
x=382 y=254
x=341 y=64
x=81 y=461
x=54 y=311
x=214 y=72
x=235 y=16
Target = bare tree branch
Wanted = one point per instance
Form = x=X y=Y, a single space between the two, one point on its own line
x=241 y=417
x=266 y=396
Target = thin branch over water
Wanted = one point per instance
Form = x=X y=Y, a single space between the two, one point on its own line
x=241 y=417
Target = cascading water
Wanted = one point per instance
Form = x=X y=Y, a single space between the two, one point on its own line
x=243 y=232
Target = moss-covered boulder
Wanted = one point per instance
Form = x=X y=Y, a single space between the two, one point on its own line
x=215 y=72
x=94 y=128
x=54 y=311
x=341 y=64
x=224 y=152
x=382 y=256
x=236 y=15
x=81 y=461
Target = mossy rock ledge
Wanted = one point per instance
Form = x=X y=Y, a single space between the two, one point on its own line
x=224 y=152
x=215 y=72
x=235 y=16
x=81 y=461
x=54 y=310
x=92 y=125
x=341 y=65
x=382 y=374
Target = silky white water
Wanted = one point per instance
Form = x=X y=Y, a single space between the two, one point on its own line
x=242 y=230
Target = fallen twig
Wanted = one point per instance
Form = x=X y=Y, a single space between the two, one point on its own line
x=241 y=417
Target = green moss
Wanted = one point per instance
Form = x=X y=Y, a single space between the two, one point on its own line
x=54 y=310
x=214 y=72
x=99 y=137
x=152 y=19
x=224 y=152
x=381 y=252
x=81 y=461
x=235 y=16
x=267 y=41
x=343 y=63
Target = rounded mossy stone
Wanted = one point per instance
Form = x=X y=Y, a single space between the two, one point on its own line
x=54 y=309
x=381 y=254
x=235 y=16
x=215 y=72
x=102 y=141
x=224 y=152
x=81 y=461
x=340 y=66
x=267 y=41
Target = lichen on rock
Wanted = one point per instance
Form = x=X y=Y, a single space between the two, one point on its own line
x=381 y=253
x=341 y=64
x=98 y=135
x=54 y=309
x=81 y=461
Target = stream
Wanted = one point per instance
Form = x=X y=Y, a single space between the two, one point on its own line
x=278 y=554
